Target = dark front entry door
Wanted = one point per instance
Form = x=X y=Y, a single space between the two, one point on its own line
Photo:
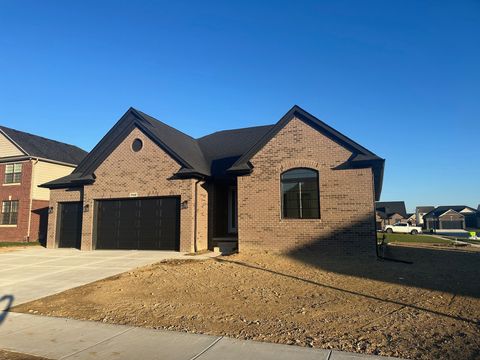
x=70 y=224
x=144 y=224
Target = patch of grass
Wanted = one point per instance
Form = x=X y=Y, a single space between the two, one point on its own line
x=11 y=244
x=408 y=238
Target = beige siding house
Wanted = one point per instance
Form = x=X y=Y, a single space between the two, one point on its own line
x=27 y=161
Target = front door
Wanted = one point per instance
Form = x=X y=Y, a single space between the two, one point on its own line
x=232 y=210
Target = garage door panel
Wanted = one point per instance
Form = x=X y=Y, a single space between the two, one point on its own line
x=127 y=222
x=107 y=216
x=145 y=224
x=70 y=224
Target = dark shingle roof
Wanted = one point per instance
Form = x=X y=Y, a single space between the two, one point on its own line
x=439 y=210
x=182 y=144
x=37 y=146
x=425 y=209
x=212 y=155
x=222 y=148
x=391 y=207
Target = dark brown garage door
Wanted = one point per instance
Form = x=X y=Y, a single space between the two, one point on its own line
x=69 y=224
x=452 y=224
x=144 y=224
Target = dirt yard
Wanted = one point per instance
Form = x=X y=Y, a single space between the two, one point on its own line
x=426 y=310
x=8 y=355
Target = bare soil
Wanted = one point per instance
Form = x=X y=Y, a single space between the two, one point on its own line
x=10 y=355
x=426 y=310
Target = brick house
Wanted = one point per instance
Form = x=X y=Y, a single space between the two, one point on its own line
x=27 y=161
x=450 y=217
x=295 y=184
x=390 y=212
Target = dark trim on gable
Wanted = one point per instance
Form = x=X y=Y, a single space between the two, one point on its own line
x=129 y=121
x=299 y=113
x=361 y=156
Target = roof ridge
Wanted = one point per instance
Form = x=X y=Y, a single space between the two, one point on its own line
x=161 y=122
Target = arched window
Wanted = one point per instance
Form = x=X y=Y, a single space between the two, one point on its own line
x=300 y=194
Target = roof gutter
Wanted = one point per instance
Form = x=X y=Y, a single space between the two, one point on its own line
x=36 y=158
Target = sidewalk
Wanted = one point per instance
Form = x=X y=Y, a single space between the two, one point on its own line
x=59 y=338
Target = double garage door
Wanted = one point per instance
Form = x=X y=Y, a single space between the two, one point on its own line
x=452 y=224
x=143 y=224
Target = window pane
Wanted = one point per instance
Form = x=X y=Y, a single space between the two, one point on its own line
x=9 y=169
x=13 y=218
x=300 y=194
x=299 y=175
x=6 y=207
x=14 y=206
x=17 y=168
x=8 y=178
x=16 y=177
x=310 y=208
x=291 y=201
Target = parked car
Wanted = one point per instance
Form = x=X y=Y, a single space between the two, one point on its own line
x=403 y=228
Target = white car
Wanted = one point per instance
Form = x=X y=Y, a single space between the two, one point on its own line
x=403 y=228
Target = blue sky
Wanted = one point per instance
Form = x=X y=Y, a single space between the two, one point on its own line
x=400 y=77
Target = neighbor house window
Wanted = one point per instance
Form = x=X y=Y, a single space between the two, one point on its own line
x=10 y=212
x=13 y=173
x=300 y=194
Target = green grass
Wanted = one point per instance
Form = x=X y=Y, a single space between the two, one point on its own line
x=10 y=244
x=407 y=238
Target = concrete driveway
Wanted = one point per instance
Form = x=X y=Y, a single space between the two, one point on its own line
x=30 y=274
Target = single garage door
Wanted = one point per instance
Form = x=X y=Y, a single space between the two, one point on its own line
x=143 y=224
x=69 y=224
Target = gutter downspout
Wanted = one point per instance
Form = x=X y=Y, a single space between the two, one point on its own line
x=32 y=183
x=380 y=257
x=195 y=246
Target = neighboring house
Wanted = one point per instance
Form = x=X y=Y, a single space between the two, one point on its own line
x=27 y=161
x=412 y=219
x=420 y=212
x=452 y=217
x=295 y=184
x=389 y=213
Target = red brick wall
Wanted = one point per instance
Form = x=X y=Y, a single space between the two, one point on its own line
x=346 y=197
x=22 y=194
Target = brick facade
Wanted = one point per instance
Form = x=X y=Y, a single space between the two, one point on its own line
x=22 y=192
x=147 y=173
x=347 y=223
x=346 y=197
x=57 y=196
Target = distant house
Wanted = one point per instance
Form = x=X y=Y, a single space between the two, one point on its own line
x=452 y=217
x=412 y=218
x=420 y=213
x=27 y=161
x=390 y=212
